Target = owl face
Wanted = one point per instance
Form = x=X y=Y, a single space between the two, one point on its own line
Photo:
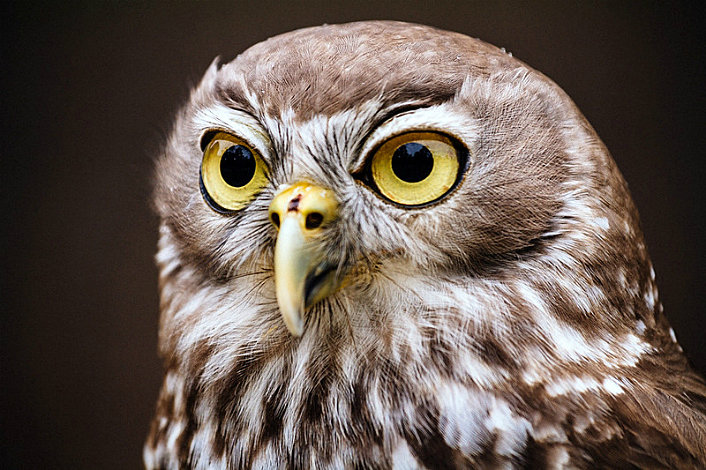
x=373 y=176
x=368 y=230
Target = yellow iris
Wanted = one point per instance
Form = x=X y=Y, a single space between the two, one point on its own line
x=232 y=172
x=415 y=168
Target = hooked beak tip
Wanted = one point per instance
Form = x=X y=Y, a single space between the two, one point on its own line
x=296 y=326
x=303 y=275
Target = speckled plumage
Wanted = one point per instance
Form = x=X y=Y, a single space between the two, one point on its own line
x=514 y=323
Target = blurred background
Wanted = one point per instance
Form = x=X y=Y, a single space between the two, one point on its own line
x=88 y=93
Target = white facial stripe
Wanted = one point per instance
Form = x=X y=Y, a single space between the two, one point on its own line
x=341 y=132
x=243 y=125
x=443 y=118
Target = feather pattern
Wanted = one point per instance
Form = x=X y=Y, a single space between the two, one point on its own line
x=515 y=323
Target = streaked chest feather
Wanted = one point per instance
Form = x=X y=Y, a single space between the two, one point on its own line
x=457 y=377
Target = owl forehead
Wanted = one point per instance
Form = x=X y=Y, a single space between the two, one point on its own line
x=330 y=69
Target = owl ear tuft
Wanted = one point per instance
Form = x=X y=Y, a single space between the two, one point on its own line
x=211 y=71
x=208 y=82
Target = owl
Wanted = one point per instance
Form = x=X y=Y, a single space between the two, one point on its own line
x=383 y=245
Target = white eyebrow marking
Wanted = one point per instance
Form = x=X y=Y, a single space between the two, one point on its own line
x=243 y=125
x=444 y=118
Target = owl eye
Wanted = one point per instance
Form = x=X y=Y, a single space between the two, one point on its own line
x=232 y=173
x=416 y=168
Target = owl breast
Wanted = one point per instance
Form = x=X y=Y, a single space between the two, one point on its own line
x=388 y=246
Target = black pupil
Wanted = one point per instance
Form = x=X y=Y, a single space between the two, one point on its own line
x=412 y=162
x=237 y=166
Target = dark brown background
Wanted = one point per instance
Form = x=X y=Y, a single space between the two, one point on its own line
x=88 y=94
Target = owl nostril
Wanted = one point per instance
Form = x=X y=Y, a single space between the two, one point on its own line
x=314 y=220
x=274 y=217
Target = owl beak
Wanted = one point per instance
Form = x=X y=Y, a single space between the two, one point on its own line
x=303 y=274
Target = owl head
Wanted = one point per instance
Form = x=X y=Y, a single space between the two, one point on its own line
x=384 y=245
x=384 y=182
